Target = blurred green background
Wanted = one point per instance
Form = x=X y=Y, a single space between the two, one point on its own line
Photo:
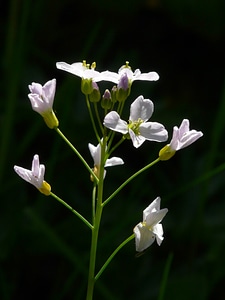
x=44 y=249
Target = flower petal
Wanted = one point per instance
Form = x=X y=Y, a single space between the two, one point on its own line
x=154 y=206
x=75 y=68
x=155 y=217
x=112 y=121
x=95 y=153
x=190 y=137
x=114 y=161
x=143 y=237
x=153 y=131
x=174 y=144
x=23 y=173
x=137 y=139
x=110 y=76
x=141 y=109
x=158 y=231
x=49 y=91
x=184 y=127
x=150 y=76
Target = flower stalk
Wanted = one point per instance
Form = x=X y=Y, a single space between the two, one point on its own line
x=96 y=224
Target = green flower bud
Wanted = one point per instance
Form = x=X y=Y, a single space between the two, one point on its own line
x=95 y=96
x=86 y=86
x=106 y=102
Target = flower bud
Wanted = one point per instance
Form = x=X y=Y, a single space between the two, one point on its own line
x=106 y=102
x=123 y=88
x=95 y=95
x=86 y=86
x=113 y=94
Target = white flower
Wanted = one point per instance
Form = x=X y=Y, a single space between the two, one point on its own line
x=182 y=137
x=81 y=69
x=138 y=127
x=42 y=98
x=145 y=232
x=35 y=176
x=96 y=155
x=132 y=76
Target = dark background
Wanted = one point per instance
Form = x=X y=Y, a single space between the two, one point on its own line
x=44 y=249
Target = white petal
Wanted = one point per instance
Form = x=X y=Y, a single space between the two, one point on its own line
x=112 y=121
x=154 y=206
x=114 y=161
x=190 y=138
x=174 y=144
x=151 y=76
x=35 y=88
x=141 y=109
x=143 y=237
x=49 y=92
x=153 y=131
x=35 y=165
x=110 y=76
x=23 y=173
x=75 y=68
x=95 y=153
x=37 y=103
x=155 y=217
x=184 y=127
x=158 y=231
x=137 y=140
x=91 y=73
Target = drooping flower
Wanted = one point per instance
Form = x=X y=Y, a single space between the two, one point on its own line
x=42 y=98
x=138 y=127
x=150 y=229
x=132 y=76
x=35 y=176
x=182 y=137
x=96 y=155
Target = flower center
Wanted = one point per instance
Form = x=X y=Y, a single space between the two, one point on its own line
x=135 y=126
x=148 y=227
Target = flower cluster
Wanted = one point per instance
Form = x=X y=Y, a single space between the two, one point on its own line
x=136 y=128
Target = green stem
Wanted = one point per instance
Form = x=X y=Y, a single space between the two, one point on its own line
x=128 y=180
x=98 y=118
x=96 y=225
x=72 y=210
x=93 y=203
x=92 y=118
x=112 y=255
x=78 y=154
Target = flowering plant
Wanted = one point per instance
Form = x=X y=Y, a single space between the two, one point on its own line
x=138 y=128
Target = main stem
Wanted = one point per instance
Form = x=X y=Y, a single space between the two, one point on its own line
x=96 y=225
